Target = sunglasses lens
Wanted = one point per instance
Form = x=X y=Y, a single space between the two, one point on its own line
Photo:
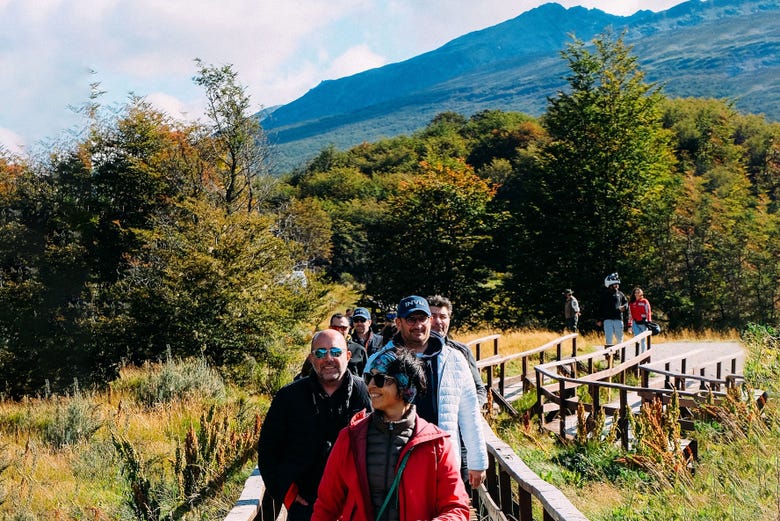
x=322 y=352
x=379 y=379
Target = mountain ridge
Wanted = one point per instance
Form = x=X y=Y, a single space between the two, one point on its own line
x=712 y=48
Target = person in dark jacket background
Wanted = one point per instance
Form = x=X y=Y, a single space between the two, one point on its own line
x=362 y=333
x=612 y=306
x=357 y=353
x=302 y=424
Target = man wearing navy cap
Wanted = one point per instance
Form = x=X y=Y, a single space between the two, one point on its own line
x=362 y=333
x=447 y=403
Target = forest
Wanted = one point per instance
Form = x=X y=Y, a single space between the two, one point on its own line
x=143 y=237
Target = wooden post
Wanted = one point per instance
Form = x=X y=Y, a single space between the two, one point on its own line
x=574 y=347
x=623 y=421
x=562 y=408
x=525 y=510
x=505 y=491
x=595 y=397
x=539 y=395
x=525 y=374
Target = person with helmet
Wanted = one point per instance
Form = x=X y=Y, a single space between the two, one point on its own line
x=612 y=305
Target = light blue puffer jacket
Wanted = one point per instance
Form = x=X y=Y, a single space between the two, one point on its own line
x=459 y=410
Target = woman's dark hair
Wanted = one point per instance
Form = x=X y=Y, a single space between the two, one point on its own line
x=632 y=298
x=407 y=364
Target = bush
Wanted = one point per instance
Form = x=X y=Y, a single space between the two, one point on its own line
x=173 y=380
x=76 y=418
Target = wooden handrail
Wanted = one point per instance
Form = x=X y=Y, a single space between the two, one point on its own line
x=248 y=505
x=507 y=473
x=498 y=359
x=478 y=344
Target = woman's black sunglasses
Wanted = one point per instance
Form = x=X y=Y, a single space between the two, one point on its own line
x=379 y=379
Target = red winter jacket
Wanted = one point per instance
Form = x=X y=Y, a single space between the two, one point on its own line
x=639 y=310
x=430 y=486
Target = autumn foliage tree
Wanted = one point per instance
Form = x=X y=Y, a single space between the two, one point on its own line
x=434 y=238
x=143 y=239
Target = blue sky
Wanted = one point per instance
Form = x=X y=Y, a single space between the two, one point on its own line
x=52 y=50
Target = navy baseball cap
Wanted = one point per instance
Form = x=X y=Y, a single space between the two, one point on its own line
x=411 y=304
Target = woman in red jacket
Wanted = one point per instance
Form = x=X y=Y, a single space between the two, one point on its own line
x=639 y=314
x=391 y=464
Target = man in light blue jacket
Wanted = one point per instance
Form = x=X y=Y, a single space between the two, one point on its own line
x=448 y=403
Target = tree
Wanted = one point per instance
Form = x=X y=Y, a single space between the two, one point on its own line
x=584 y=212
x=236 y=146
x=434 y=238
x=214 y=284
x=720 y=248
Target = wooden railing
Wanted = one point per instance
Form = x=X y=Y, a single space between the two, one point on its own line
x=497 y=363
x=557 y=383
x=247 y=508
x=513 y=491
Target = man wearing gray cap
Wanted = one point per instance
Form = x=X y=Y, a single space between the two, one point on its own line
x=447 y=403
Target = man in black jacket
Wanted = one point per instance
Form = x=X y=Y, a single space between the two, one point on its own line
x=357 y=353
x=302 y=424
x=363 y=334
x=612 y=306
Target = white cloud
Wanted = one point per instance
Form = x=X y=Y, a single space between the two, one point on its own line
x=11 y=141
x=354 y=60
x=174 y=106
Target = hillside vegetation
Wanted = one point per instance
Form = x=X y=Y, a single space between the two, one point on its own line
x=726 y=49
x=152 y=237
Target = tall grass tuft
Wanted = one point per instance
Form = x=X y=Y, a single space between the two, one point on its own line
x=5 y=462
x=212 y=452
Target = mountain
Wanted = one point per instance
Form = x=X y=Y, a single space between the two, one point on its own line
x=701 y=48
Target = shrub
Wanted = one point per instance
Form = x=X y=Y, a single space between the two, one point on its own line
x=212 y=452
x=172 y=380
x=75 y=418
